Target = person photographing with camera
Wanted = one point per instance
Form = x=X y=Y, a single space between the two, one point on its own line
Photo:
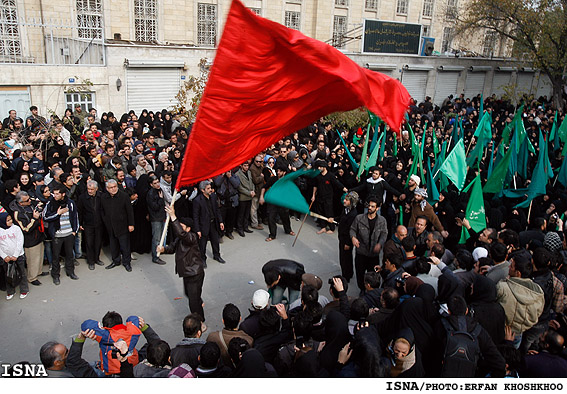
x=27 y=215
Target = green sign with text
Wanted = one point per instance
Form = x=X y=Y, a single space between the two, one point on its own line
x=391 y=37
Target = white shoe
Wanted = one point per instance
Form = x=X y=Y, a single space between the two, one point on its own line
x=23 y=295
x=9 y=297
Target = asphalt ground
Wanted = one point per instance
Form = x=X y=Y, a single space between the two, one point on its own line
x=155 y=292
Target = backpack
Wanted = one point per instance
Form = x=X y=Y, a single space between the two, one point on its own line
x=462 y=350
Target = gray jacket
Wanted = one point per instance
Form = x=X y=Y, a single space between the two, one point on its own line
x=246 y=185
x=360 y=229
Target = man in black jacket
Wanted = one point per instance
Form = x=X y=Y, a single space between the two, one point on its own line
x=188 y=262
x=156 y=209
x=282 y=274
x=90 y=219
x=118 y=216
x=207 y=217
x=345 y=241
x=187 y=351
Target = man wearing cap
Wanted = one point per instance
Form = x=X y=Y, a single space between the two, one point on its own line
x=260 y=301
x=420 y=207
x=188 y=262
x=208 y=220
x=27 y=155
x=324 y=191
x=317 y=283
x=282 y=274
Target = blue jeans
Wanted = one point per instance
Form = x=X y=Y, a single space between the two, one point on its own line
x=77 y=246
x=278 y=295
x=157 y=229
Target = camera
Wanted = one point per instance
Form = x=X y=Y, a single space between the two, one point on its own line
x=400 y=280
x=330 y=281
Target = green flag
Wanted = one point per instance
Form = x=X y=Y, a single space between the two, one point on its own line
x=382 y=145
x=495 y=182
x=481 y=110
x=454 y=166
x=395 y=145
x=484 y=129
x=520 y=131
x=540 y=176
x=285 y=193
x=374 y=155
x=554 y=135
x=364 y=158
x=562 y=132
x=435 y=142
x=375 y=122
x=475 y=209
x=510 y=126
x=562 y=176
x=432 y=191
x=351 y=159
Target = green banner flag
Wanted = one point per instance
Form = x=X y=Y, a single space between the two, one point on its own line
x=475 y=212
x=554 y=135
x=395 y=145
x=540 y=176
x=351 y=159
x=562 y=176
x=432 y=191
x=454 y=166
x=382 y=145
x=364 y=158
x=374 y=155
x=484 y=129
x=285 y=193
x=495 y=183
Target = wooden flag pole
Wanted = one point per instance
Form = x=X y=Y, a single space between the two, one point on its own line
x=469 y=148
x=300 y=227
x=316 y=215
x=164 y=233
x=530 y=211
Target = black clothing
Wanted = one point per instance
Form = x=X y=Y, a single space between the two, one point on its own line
x=252 y=365
x=485 y=309
x=290 y=272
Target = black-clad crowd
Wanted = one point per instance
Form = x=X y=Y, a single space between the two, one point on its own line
x=429 y=305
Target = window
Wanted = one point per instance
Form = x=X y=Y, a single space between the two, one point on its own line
x=9 y=30
x=342 y=3
x=145 y=20
x=257 y=11
x=293 y=20
x=207 y=25
x=371 y=4
x=489 y=44
x=427 y=8
x=447 y=41
x=452 y=10
x=89 y=18
x=402 y=7
x=426 y=31
x=85 y=99
x=339 y=30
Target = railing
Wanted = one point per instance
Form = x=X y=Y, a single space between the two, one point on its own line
x=51 y=42
x=342 y=40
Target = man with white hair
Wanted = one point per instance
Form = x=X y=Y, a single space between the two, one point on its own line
x=90 y=219
x=118 y=216
x=208 y=220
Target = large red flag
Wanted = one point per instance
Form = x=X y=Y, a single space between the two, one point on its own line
x=268 y=81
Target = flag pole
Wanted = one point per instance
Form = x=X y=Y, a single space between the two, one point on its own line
x=164 y=233
x=469 y=148
x=530 y=211
x=300 y=227
x=316 y=215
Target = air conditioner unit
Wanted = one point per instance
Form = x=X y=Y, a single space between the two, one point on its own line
x=427 y=46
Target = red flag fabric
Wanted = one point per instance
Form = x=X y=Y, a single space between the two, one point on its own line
x=268 y=81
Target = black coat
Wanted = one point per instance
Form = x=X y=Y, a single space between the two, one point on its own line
x=345 y=221
x=202 y=220
x=290 y=272
x=117 y=213
x=188 y=260
x=156 y=205
x=90 y=210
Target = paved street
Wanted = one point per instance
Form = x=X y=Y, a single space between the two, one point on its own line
x=154 y=292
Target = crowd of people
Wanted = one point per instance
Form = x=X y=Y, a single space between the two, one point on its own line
x=430 y=304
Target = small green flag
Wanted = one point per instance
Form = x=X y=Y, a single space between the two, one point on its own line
x=351 y=159
x=495 y=183
x=484 y=129
x=454 y=166
x=432 y=191
x=475 y=212
x=364 y=158
x=395 y=145
x=285 y=193
x=540 y=176
x=562 y=176
x=374 y=155
x=382 y=145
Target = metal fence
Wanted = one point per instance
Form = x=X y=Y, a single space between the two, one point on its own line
x=51 y=42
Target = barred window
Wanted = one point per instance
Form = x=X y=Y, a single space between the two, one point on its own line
x=145 y=20
x=10 y=44
x=89 y=18
x=489 y=44
x=452 y=10
x=447 y=42
x=343 y=3
x=371 y=4
x=426 y=31
x=207 y=25
x=85 y=99
x=402 y=7
x=257 y=11
x=427 y=8
x=293 y=20
x=339 y=31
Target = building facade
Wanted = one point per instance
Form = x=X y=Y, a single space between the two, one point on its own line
x=133 y=54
